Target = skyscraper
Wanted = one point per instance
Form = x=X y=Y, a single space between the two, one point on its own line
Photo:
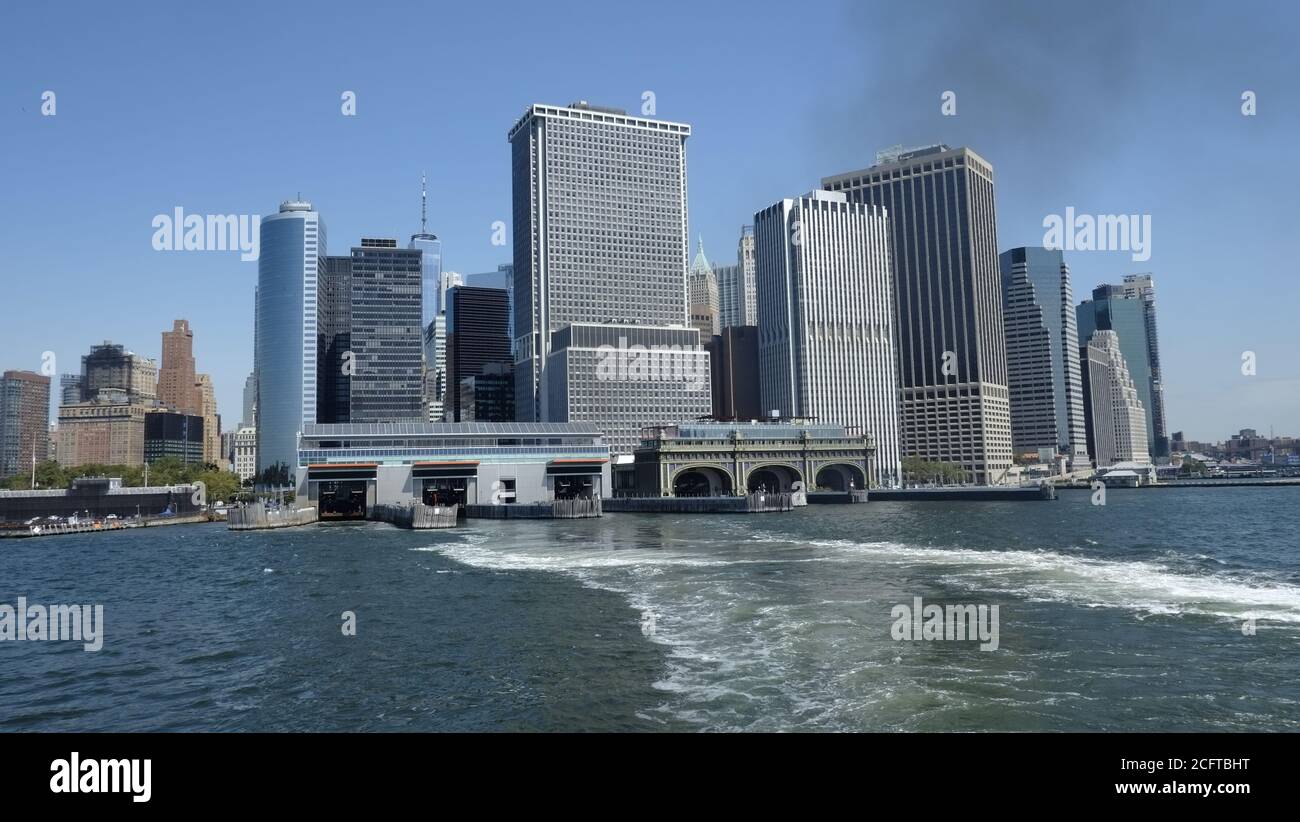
x=69 y=389
x=249 y=418
x=386 y=310
x=293 y=248
x=24 y=421
x=211 y=420
x=600 y=239
x=1117 y=422
x=334 y=360
x=733 y=357
x=177 y=381
x=1143 y=287
x=503 y=277
x=1112 y=309
x=111 y=367
x=430 y=248
x=826 y=318
x=477 y=338
x=702 y=287
x=1043 y=370
x=737 y=295
x=954 y=401
x=435 y=352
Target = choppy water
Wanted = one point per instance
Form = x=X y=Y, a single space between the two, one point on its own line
x=1123 y=617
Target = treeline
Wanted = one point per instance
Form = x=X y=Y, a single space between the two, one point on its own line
x=917 y=470
x=221 y=485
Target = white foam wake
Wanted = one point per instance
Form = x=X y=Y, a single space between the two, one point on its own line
x=1131 y=584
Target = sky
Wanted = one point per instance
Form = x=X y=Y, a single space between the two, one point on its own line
x=230 y=108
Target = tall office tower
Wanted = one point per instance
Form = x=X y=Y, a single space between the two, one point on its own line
x=1117 y=421
x=385 y=340
x=430 y=248
x=478 y=337
x=24 y=421
x=826 y=318
x=1111 y=309
x=954 y=402
x=69 y=389
x=177 y=380
x=435 y=352
x=255 y=346
x=249 y=418
x=702 y=287
x=1143 y=287
x=503 y=277
x=435 y=372
x=289 y=267
x=488 y=396
x=737 y=297
x=447 y=280
x=211 y=419
x=334 y=362
x=1043 y=369
x=733 y=357
x=600 y=224
x=112 y=367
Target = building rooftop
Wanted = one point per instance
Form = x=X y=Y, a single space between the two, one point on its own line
x=747 y=430
x=444 y=429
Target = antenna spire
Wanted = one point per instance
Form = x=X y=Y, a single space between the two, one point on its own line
x=424 y=201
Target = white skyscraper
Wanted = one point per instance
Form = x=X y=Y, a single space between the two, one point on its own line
x=1119 y=423
x=737 y=296
x=600 y=247
x=826 y=318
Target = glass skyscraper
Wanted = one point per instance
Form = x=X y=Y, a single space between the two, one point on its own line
x=289 y=266
x=1112 y=308
x=1043 y=369
x=478 y=338
x=430 y=248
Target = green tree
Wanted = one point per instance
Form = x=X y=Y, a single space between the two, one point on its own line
x=222 y=486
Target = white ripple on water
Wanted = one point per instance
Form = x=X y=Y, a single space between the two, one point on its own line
x=721 y=664
x=1135 y=585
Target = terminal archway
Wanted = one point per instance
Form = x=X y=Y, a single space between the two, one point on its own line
x=702 y=481
x=342 y=499
x=841 y=477
x=772 y=479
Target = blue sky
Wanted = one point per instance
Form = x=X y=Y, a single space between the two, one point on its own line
x=1111 y=108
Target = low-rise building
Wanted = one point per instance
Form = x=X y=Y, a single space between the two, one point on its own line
x=350 y=468
x=169 y=434
x=244 y=456
x=109 y=430
x=732 y=459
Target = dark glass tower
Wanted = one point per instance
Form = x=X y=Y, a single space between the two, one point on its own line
x=954 y=400
x=334 y=341
x=478 y=340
